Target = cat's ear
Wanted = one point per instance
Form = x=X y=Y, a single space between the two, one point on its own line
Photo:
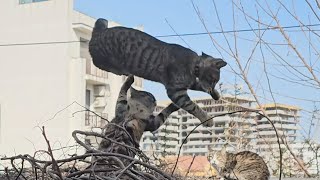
x=204 y=55
x=220 y=63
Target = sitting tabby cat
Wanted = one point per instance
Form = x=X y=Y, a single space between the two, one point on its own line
x=125 y=51
x=137 y=114
x=245 y=165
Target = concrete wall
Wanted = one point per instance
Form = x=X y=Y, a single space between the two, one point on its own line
x=43 y=76
x=34 y=78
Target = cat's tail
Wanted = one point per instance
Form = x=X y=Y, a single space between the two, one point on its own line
x=100 y=25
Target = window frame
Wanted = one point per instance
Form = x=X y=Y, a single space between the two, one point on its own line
x=22 y=2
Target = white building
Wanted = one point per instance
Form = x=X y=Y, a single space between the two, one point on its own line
x=240 y=131
x=166 y=138
x=285 y=118
x=235 y=129
x=46 y=74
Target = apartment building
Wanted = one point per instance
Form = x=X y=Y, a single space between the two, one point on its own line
x=241 y=131
x=285 y=119
x=166 y=139
x=47 y=76
x=236 y=129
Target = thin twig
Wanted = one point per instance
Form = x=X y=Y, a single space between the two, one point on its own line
x=190 y=166
x=54 y=162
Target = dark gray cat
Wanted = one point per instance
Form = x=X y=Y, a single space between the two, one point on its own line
x=245 y=165
x=125 y=51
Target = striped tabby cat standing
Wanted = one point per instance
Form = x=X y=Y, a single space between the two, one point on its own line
x=245 y=165
x=126 y=51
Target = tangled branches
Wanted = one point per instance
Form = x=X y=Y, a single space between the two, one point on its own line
x=94 y=164
x=117 y=157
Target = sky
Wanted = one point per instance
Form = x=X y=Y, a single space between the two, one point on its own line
x=169 y=17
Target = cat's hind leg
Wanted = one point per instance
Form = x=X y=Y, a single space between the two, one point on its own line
x=121 y=105
x=182 y=100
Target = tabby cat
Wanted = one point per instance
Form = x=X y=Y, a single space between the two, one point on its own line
x=125 y=51
x=245 y=165
x=141 y=105
x=136 y=114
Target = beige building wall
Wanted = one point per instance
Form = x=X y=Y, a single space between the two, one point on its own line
x=35 y=77
x=45 y=74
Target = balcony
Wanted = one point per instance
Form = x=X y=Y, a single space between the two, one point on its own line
x=94 y=74
x=196 y=150
x=91 y=69
x=168 y=135
x=280 y=119
x=94 y=121
x=197 y=142
x=200 y=135
x=278 y=126
x=170 y=128
x=283 y=112
x=168 y=143
x=82 y=22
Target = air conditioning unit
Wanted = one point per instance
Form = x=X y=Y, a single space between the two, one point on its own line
x=101 y=90
x=99 y=102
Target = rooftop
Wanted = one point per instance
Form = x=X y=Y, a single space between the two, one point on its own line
x=225 y=96
x=277 y=105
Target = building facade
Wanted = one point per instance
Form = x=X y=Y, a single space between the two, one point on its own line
x=166 y=139
x=241 y=131
x=47 y=76
x=237 y=130
x=285 y=119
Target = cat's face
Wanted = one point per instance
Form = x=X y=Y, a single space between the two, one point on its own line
x=219 y=158
x=209 y=74
x=141 y=103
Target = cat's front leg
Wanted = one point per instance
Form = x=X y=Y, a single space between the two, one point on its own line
x=155 y=122
x=182 y=100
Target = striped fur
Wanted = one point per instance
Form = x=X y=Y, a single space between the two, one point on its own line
x=245 y=165
x=130 y=114
x=137 y=113
x=125 y=51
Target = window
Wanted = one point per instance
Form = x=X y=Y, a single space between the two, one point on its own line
x=30 y=1
x=88 y=94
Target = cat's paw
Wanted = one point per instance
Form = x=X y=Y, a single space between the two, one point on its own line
x=208 y=123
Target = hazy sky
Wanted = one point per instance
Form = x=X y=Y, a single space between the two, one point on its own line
x=180 y=14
